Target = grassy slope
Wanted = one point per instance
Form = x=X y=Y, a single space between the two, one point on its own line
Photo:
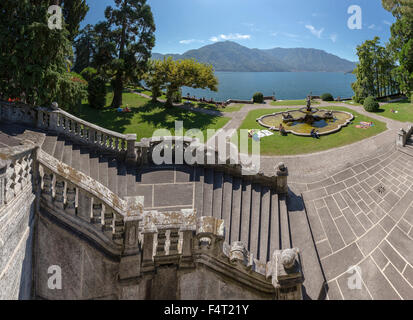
x=291 y=144
x=146 y=117
x=405 y=111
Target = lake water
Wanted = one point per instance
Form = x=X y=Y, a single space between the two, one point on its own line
x=286 y=85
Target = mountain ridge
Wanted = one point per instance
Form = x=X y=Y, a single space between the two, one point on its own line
x=233 y=57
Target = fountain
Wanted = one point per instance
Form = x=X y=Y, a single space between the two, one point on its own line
x=300 y=122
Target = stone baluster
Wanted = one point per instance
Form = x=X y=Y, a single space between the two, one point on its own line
x=9 y=184
x=59 y=193
x=97 y=210
x=173 y=241
x=47 y=189
x=99 y=137
x=118 y=229
x=84 y=206
x=54 y=121
x=107 y=226
x=91 y=137
x=71 y=199
x=160 y=247
x=130 y=148
x=117 y=144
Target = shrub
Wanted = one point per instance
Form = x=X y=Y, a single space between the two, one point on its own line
x=177 y=96
x=371 y=105
x=327 y=97
x=258 y=97
x=88 y=73
x=97 y=92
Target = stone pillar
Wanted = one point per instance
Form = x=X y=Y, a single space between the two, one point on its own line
x=287 y=277
x=53 y=121
x=148 y=246
x=282 y=175
x=187 y=247
x=401 y=138
x=3 y=168
x=130 y=148
x=130 y=263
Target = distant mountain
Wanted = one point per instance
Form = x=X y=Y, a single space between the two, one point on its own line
x=231 y=56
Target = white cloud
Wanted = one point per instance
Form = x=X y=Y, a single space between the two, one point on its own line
x=387 y=22
x=290 y=35
x=274 y=34
x=314 y=31
x=333 y=37
x=231 y=36
x=189 y=41
x=372 y=26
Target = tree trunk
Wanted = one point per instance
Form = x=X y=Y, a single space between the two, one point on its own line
x=117 y=92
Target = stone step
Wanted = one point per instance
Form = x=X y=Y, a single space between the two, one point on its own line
x=246 y=212
x=217 y=198
x=112 y=175
x=274 y=241
x=236 y=210
x=103 y=171
x=94 y=166
x=76 y=158
x=85 y=161
x=49 y=144
x=284 y=223
x=121 y=180
x=67 y=153
x=255 y=219
x=264 y=232
x=302 y=238
x=59 y=149
x=227 y=205
x=208 y=192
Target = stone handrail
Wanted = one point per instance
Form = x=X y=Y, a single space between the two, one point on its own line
x=16 y=171
x=86 y=205
x=57 y=120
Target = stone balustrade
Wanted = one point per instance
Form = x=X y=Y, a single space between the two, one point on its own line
x=87 y=205
x=16 y=171
x=56 y=120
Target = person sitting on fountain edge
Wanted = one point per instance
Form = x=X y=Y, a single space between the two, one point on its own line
x=315 y=134
x=282 y=130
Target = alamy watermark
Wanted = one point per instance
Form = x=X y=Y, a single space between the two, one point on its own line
x=55 y=20
x=354 y=282
x=54 y=282
x=355 y=20
x=221 y=148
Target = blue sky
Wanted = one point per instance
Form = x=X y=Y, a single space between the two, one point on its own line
x=183 y=25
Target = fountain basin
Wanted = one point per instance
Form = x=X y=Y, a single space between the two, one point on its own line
x=301 y=122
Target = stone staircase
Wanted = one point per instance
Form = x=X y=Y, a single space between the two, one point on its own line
x=255 y=209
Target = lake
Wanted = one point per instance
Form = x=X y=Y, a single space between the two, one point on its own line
x=286 y=85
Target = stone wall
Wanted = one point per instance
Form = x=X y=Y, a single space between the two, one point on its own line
x=16 y=243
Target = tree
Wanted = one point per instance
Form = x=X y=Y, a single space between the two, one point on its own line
x=401 y=41
x=74 y=11
x=173 y=75
x=85 y=48
x=124 y=45
x=33 y=57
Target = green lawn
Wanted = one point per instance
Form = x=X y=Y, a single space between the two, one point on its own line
x=404 y=111
x=146 y=117
x=292 y=145
x=292 y=103
x=210 y=106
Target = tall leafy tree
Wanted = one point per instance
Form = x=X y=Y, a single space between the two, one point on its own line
x=74 y=11
x=173 y=75
x=401 y=40
x=126 y=39
x=33 y=57
x=85 y=48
